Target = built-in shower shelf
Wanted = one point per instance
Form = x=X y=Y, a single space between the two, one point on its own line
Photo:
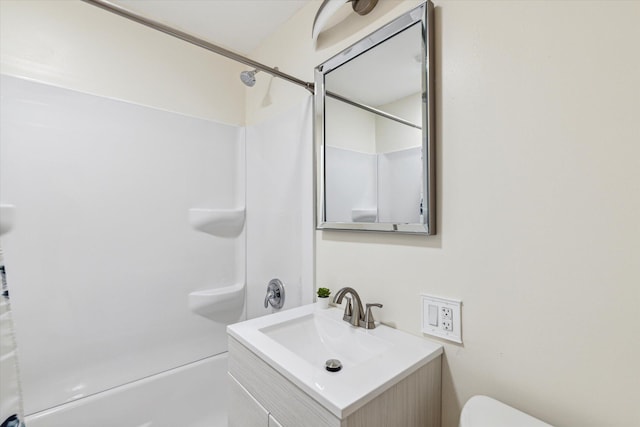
x=218 y=222
x=224 y=305
x=364 y=214
x=7 y=218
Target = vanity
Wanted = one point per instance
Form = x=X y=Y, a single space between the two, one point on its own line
x=277 y=374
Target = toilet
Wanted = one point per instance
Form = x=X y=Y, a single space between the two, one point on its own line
x=483 y=411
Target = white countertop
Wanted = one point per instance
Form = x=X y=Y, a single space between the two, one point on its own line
x=394 y=356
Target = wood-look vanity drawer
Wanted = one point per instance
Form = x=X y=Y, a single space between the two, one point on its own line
x=291 y=406
x=244 y=409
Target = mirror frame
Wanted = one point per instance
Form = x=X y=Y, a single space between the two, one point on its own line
x=422 y=14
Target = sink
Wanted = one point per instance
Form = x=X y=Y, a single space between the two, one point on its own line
x=297 y=343
x=317 y=338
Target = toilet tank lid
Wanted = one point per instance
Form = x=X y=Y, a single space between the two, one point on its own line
x=483 y=411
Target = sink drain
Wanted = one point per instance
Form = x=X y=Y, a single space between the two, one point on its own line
x=333 y=365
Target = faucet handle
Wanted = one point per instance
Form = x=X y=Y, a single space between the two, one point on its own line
x=348 y=310
x=369 y=321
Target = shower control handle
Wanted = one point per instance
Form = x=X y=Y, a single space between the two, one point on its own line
x=275 y=294
x=269 y=295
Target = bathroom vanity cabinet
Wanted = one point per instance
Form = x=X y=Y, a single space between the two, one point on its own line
x=261 y=396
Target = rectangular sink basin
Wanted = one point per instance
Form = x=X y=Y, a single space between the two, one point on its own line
x=298 y=342
x=316 y=338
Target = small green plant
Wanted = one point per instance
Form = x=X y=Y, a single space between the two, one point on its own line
x=324 y=292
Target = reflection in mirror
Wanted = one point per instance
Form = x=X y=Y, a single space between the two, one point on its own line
x=374 y=130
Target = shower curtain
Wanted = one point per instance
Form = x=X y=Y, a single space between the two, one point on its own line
x=11 y=414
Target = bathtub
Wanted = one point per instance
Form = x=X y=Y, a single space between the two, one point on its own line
x=194 y=395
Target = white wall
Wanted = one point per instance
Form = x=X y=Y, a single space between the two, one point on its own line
x=538 y=203
x=78 y=46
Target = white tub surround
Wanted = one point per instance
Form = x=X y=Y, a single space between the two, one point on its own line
x=105 y=262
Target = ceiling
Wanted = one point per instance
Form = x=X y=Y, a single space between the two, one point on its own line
x=239 y=25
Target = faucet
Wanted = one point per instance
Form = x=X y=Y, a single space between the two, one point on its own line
x=354 y=313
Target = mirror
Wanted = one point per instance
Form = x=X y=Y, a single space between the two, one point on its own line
x=374 y=131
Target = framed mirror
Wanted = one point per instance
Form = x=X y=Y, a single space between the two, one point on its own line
x=374 y=131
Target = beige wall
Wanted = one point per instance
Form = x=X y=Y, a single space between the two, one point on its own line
x=349 y=127
x=72 y=44
x=538 y=107
x=394 y=136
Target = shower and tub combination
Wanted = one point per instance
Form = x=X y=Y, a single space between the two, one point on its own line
x=132 y=247
x=132 y=237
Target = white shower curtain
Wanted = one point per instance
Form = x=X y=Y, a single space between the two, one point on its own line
x=11 y=414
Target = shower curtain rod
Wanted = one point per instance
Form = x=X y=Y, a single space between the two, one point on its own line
x=126 y=13
x=371 y=109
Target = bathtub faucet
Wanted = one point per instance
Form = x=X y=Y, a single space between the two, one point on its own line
x=353 y=312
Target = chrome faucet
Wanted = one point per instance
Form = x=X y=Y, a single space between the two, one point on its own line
x=353 y=312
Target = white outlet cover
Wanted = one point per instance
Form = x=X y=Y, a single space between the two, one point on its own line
x=438 y=330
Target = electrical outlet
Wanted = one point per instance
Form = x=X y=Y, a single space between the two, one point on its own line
x=441 y=317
